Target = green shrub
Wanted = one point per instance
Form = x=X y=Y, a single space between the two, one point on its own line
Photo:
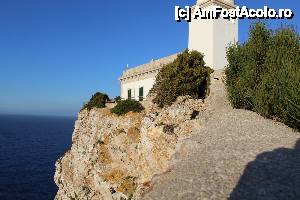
x=117 y=99
x=126 y=106
x=186 y=75
x=246 y=65
x=263 y=74
x=98 y=100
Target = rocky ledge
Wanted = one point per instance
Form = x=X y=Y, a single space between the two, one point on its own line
x=117 y=157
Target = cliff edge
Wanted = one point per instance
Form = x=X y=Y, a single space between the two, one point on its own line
x=190 y=150
x=116 y=157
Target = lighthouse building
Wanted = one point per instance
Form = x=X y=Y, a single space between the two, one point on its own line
x=208 y=36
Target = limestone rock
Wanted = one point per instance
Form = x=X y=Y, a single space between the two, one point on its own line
x=116 y=157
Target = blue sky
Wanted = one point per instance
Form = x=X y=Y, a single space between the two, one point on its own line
x=55 y=54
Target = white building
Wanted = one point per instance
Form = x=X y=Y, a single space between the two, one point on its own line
x=208 y=36
x=137 y=82
x=212 y=36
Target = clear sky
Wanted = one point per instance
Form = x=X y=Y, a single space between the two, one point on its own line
x=55 y=54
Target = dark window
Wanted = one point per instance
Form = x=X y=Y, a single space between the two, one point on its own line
x=129 y=94
x=141 y=93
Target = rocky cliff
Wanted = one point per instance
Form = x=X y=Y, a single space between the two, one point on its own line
x=117 y=157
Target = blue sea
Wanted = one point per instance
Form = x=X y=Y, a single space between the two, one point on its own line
x=29 y=147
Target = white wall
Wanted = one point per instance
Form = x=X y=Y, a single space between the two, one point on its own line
x=147 y=84
x=201 y=37
x=211 y=37
x=225 y=33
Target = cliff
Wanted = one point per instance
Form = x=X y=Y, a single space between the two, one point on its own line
x=117 y=157
x=189 y=150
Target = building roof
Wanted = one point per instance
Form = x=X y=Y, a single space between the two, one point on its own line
x=153 y=65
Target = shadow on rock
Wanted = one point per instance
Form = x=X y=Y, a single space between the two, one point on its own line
x=272 y=175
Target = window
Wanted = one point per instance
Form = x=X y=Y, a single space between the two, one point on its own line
x=129 y=94
x=141 y=94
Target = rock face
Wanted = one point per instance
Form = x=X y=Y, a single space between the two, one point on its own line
x=116 y=157
x=171 y=154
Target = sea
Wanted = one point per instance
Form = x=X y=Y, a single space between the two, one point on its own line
x=29 y=147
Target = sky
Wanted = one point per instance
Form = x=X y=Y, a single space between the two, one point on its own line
x=55 y=54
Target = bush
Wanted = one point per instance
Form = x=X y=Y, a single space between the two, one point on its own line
x=126 y=106
x=186 y=75
x=263 y=74
x=98 y=100
x=117 y=99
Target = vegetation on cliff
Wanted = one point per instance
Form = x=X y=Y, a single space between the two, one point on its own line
x=98 y=100
x=263 y=74
x=116 y=157
x=125 y=106
x=186 y=75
